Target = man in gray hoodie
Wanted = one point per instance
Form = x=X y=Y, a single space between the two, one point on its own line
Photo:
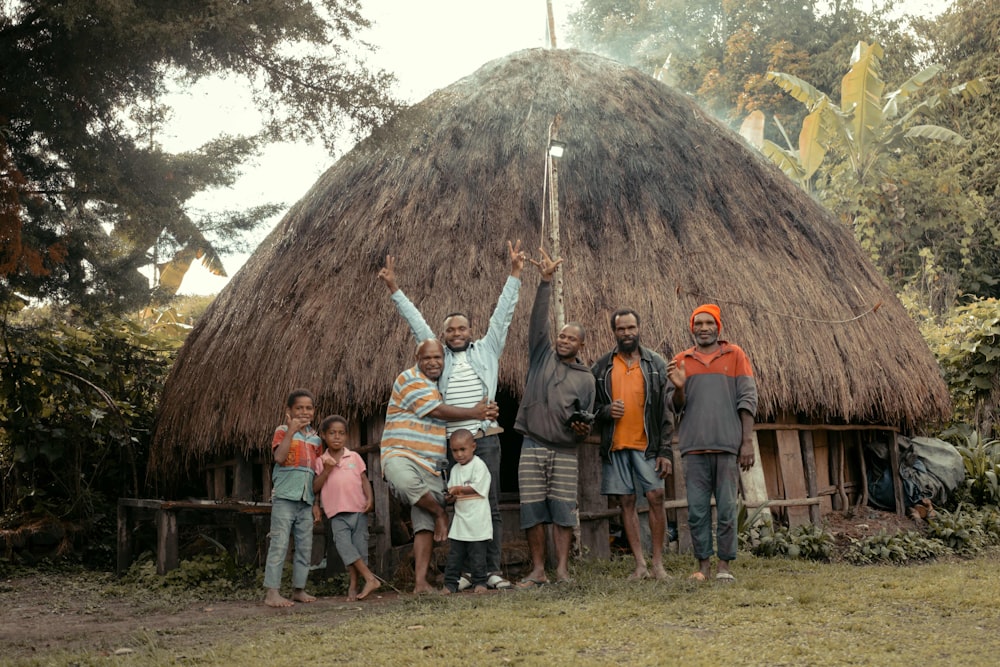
x=554 y=416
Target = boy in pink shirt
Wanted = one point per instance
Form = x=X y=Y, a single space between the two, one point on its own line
x=346 y=496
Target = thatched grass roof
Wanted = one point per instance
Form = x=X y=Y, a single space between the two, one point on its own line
x=662 y=208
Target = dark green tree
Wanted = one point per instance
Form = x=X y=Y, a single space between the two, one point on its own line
x=720 y=50
x=966 y=39
x=86 y=191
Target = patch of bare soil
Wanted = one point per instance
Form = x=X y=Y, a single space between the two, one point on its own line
x=867 y=521
x=41 y=614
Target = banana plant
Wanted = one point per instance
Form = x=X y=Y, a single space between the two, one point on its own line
x=867 y=125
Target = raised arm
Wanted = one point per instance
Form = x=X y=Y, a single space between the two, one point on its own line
x=496 y=334
x=409 y=312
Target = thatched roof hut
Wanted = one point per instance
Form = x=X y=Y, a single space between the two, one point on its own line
x=661 y=208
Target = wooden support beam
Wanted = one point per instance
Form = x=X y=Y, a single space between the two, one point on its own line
x=684 y=543
x=594 y=533
x=792 y=475
x=809 y=464
x=243 y=479
x=897 y=482
x=125 y=528
x=166 y=541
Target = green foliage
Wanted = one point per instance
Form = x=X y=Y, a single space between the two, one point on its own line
x=762 y=538
x=77 y=399
x=808 y=542
x=895 y=549
x=967 y=347
x=87 y=193
x=965 y=532
x=204 y=577
x=982 y=469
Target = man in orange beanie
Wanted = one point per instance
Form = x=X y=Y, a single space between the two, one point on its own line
x=716 y=390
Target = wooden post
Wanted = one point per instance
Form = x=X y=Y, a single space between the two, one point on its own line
x=219 y=480
x=594 y=533
x=792 y=475
x=166 y=541
x=243 y=478
x=125 y=528
x=809 y=462
x=897 y=482
x=684 y=543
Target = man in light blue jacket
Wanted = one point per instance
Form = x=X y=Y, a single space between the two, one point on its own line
x=471 y=370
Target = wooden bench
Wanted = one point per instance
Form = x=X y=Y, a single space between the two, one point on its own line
x=132 y=511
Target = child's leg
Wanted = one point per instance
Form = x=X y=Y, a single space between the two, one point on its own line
x=475 y=558
x=303 y=531
x=282 y=514
x=453 y=566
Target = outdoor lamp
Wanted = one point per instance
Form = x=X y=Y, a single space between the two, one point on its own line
x=556 y=148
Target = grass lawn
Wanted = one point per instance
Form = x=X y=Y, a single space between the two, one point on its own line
x=779 y=612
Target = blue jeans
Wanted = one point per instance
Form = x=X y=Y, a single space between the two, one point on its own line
x=470 y=556
x=288 y=518
x=706 y=475
x=488 y=449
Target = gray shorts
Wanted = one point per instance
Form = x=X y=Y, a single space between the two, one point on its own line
x=410 y=481
x=629 y=470
x=547 y=480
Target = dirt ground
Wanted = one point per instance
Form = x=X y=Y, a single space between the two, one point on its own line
x=43 y=613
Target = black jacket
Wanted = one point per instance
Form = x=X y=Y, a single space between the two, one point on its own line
x=659 y=414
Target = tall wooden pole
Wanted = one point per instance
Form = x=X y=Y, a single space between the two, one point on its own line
x=552 y=25
x=557 y=278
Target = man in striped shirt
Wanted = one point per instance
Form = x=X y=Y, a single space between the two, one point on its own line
x=413 y=450
x=471 y=369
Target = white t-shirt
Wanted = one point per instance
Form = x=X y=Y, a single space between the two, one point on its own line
x=465 y=389
x=473 y=521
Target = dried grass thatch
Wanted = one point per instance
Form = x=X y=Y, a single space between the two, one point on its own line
x=662 y=208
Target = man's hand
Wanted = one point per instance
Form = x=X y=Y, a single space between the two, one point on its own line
x=547 y=266
x=746 y=455
x=676 y=373
x=486 y=409
x=517 y=258
x=388 y=274
x=617 y=408
x=582 y=429
x=664 y=467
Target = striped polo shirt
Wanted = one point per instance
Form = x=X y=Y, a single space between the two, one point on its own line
x=409 y=431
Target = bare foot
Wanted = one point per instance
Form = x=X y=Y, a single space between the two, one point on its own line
x=352 y=596
x=302 y=596
x=659 y=573
x=424 y=589
x=371 y=585
x=273 y=599
x=479 y=589
x=441 y=528
x=639 y=574
x=445 y=591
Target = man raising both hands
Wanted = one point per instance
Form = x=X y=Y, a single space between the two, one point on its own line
x=471 y=369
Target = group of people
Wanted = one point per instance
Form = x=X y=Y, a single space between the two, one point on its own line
x=446 y=404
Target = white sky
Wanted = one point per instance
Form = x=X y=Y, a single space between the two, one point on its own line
x=428 y=44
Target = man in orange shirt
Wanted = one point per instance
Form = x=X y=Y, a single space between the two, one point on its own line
x=634 y=411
